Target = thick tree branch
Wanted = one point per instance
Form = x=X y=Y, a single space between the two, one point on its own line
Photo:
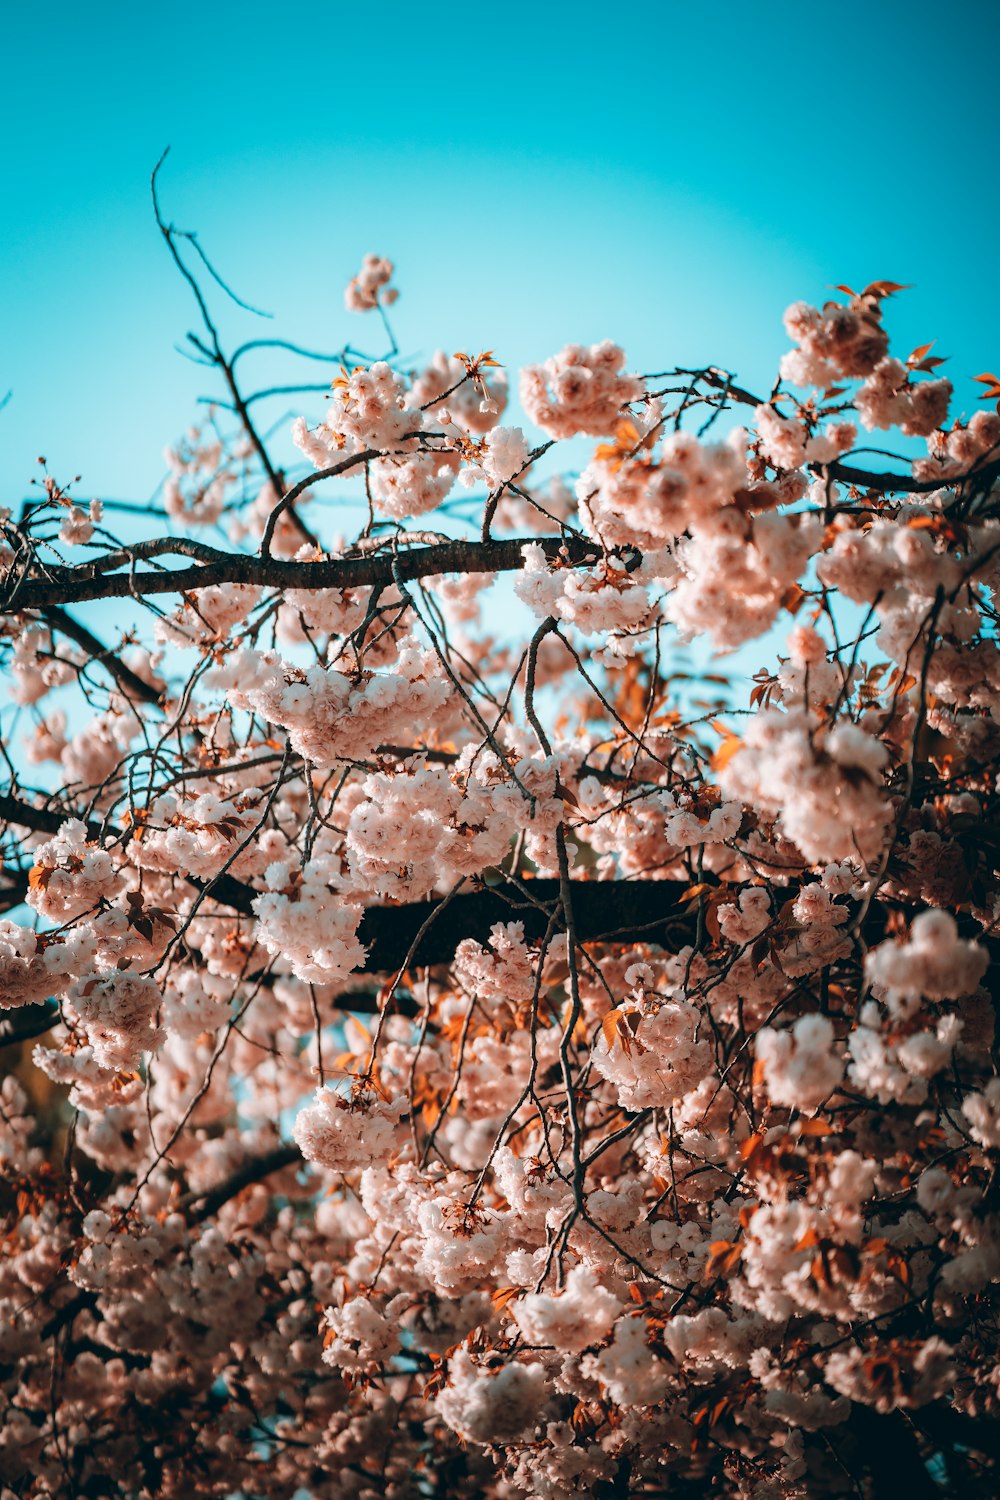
x=76 y=585
x=26 y=1023
x=204 y=1205
x=619 y=910
x=41 y=819
x=131 y=684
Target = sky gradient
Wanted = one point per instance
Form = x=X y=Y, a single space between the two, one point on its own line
x=669 y=177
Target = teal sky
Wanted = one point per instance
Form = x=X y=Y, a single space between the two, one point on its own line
x=668 y=176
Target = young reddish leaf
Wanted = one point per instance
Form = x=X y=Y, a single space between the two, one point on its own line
x=723 y=1258
x=920 y=353
x=880 y=289
x=726 y=751
x=503 y=1296
x=815 y=1127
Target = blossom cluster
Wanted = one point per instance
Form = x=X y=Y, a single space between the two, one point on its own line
x=467 y=1047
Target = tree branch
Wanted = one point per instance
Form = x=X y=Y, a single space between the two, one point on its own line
x=204 y=1205
x=76 y=585
x=131 y=684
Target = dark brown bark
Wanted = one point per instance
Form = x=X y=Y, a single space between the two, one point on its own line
x=96 y=580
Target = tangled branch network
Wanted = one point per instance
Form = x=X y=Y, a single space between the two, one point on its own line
x=449 y=1049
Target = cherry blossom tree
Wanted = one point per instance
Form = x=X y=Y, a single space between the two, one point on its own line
x=453 y=1045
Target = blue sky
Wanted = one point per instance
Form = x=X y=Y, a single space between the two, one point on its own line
x=668 y=176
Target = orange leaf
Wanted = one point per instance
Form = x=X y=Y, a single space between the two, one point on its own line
x=616 y=1027
x=751 y=1143
x=723 y=1258
x=792 y=598
x=503 y=1295
x=726 y=751
x=880 y=289
x=920 y=352
x=815 y=1127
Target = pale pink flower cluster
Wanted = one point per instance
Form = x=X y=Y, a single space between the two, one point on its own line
x=824 y=787
x=200 y=833
x=747 y=918
x=628 y=1369
x=306 y=613
x=800 y=1065
x=33 y=966
x=777 y=1265
x=732 y=581
x=201 y=478
x=819 y=936
x=373 y=410
x=48 y=740
x=98 y=749
x=502 y=970
x=418 y=829
x=655 y=1056
x=327 y=714
x=444 y=391
x=119 y=1011
x=833 y=344
x=194 y=1004
x=933 y=964
x=571 y=1320
x=926 y=1373
x=650 y=503
x=895 y=1069
x=33 y=667
x=78 y=524
x=310 y=925
x=579 y=390
x=346 y=1134
x=369 y=410
x=807 y=679
x=207 y=614
x=890 y=398
x=603 y=599
x=836 y=439
x=364 y=1338
x=889 y=562
x=371 y=285
x=73 y=874
x=982 y=1110
x=505 y=453
x=492 y=1403
x=787 y=444
x=414 y=484
x=960 y=448
x=782 y=439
